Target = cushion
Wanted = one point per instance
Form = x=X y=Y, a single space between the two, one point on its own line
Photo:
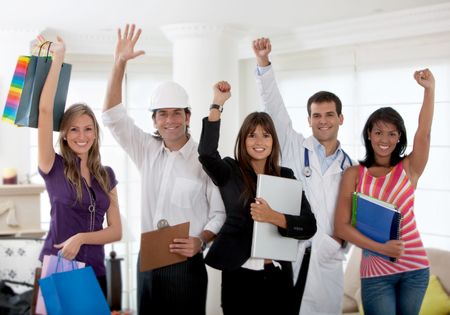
x=358 y=300
x=436 y=300
x=351 y=277
x=439 y=266
x=349 y=305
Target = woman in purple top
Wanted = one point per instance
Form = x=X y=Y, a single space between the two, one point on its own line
x=81 y=190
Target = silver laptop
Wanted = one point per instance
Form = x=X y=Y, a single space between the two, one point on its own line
x=283 y=195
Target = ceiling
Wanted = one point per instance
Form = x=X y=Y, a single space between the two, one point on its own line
x=100 y=18
x=255 y=15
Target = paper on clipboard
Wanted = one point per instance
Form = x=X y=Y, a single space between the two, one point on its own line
x=154 y=251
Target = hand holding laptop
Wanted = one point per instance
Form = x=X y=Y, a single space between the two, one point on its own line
x=261 y=211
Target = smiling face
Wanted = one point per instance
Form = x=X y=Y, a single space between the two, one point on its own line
x=259 y=146
x=383 y=137
x=325 y=121
x=172 y=124
x=81 y=135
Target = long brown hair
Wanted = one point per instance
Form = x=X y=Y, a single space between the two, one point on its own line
x=272 y=166
x=94 y=164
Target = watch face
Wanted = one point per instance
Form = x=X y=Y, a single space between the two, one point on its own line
x=218 y=107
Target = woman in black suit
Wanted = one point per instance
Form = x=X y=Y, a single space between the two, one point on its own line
x=250 y=285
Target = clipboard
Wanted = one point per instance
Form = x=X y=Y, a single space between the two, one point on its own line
x=154 y=252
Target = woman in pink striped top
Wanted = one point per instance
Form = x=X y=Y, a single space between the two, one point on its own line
x=388 y=174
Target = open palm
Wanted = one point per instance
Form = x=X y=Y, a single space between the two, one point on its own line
x=126 y=42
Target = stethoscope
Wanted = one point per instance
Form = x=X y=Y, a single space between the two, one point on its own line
x=307 y=169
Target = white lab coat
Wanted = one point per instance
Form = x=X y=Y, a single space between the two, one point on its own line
x=324 y=288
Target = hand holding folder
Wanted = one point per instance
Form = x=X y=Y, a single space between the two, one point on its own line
x=376 y=219
x=155 y=247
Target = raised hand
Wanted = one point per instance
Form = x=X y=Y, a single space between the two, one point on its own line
x=126 y=42
x=425 y=78
x=41 y=45
x=262 y=49
x=58 y=48
x=222 y=92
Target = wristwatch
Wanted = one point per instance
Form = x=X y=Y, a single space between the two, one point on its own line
x=218 y=107
x=203 y=244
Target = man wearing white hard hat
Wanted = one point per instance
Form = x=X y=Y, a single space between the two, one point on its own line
x=175 y=189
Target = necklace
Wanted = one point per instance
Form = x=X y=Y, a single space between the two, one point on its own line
x=91 y=207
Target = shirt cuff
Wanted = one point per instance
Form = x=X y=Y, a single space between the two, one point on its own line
x=214 y=225
x=262 y=70
x=113 y=114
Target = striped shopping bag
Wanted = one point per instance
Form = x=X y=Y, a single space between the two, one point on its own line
x=15 y=90
x=22 y=106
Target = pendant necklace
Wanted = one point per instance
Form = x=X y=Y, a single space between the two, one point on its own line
x=91 y=207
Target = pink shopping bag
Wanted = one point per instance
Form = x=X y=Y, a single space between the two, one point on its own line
x=53 y=264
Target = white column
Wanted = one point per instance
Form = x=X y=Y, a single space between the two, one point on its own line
x=202 y=55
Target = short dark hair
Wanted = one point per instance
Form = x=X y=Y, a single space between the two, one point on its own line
x=156 y=134
x=388 y=115
x=325 y=96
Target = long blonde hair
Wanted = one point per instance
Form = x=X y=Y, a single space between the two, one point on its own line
x=71 y=169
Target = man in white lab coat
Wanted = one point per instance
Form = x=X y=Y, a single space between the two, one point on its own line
x=318 y=161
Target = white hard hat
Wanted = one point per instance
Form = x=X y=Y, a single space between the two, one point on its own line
x=169 y=95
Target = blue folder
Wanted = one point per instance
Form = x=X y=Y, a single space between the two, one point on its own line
x=376 y=219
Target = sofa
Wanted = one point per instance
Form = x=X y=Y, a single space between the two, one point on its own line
x=440 y=267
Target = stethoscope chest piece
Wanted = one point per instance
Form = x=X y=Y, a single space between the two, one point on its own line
x=307 y=171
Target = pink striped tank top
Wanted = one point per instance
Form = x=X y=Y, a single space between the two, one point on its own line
x=395 y=188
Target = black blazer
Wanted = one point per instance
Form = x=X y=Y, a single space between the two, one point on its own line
x=232 y=246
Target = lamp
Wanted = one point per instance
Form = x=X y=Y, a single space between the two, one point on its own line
x=114 y=272
x=114 y=281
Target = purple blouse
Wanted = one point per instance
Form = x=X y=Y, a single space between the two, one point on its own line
x=69 y=217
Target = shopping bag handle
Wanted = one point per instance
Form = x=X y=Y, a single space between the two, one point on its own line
x=48 y=49
x=74 y=264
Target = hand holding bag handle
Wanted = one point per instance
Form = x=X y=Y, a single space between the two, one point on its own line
x=24 y=103
x=38 y=68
